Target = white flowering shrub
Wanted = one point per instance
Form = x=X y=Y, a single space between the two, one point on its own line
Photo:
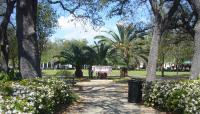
x=173 y=96
x=37 y=96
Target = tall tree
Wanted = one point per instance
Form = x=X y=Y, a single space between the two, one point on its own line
x=99 y=54
x=196 y=58
x=3 y=34
x=122 y=40
x=187 y=19
x=26 y=13
x=161 y=23
x=74 y=56
x=46 y=23
x=13 y=57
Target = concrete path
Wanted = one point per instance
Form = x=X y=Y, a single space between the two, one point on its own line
x=105 y=97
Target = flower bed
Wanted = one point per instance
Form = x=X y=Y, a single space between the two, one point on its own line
x=173 y=96
x=36 y=96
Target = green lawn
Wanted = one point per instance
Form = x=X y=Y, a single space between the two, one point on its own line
x=135 y=73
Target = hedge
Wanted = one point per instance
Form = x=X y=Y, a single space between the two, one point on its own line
x=36 y=96
x=173 y=96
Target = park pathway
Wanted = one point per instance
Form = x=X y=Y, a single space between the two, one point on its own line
x=105 y=97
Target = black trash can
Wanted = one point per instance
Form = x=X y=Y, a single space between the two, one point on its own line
x=135 y=90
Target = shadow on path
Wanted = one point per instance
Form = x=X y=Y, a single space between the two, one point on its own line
x=107 y=99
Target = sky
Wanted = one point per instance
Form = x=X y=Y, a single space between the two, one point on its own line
x=77 y=30
x=68 y=29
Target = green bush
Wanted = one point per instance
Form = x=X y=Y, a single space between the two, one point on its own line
x=173 y=96
x=37 y=96
x=9 y=76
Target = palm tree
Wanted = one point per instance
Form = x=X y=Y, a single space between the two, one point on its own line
x=123 y=40
x=74 y=56
x=100 y=54
x=140 y=51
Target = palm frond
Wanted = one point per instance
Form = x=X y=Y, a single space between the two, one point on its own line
x=121 y=30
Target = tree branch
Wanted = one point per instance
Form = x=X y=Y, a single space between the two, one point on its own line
x=2 y=14
x=9 y=10
x=71 y=11
x=12 y=25
x=155 y=7
x=186 y=23
x=168 y=17
x=144 y=29
x=173 y=9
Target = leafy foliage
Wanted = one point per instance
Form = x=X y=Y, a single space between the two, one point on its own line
x=10 y=76
x=177 y=46
x=34 y=96
x=173 y=96
x=46 y=23
x=100 y=54
x=124 y=42
x=74 y=55
x=54 y=48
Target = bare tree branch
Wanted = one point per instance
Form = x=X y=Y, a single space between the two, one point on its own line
x=167 y=20
x=6 y=18
x=172 y=10
x=71 y=11
x=85 y=10
x=13 y=26
x=186 y=23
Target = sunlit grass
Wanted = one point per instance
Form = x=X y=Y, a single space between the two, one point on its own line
x=132 y=73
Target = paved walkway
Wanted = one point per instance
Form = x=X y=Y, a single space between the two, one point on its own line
x=105 y=97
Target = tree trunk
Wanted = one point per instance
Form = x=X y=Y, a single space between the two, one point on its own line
x=177 y=70
x=177 y=67
x=163 y=69
x=4 y=56
x=29 y=64
x=3 y=35
x=196 y=57
x=90 y=72
x=13 y=63
x=195 y=69
x=78 y=72
x=153 y=55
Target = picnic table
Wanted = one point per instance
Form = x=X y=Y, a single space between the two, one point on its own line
x=102 y=71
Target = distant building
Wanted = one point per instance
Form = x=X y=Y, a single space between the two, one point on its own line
x=55 y=65
x=185 y=66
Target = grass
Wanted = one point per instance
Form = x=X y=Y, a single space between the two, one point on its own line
x=114 y=75
x=132 y=73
